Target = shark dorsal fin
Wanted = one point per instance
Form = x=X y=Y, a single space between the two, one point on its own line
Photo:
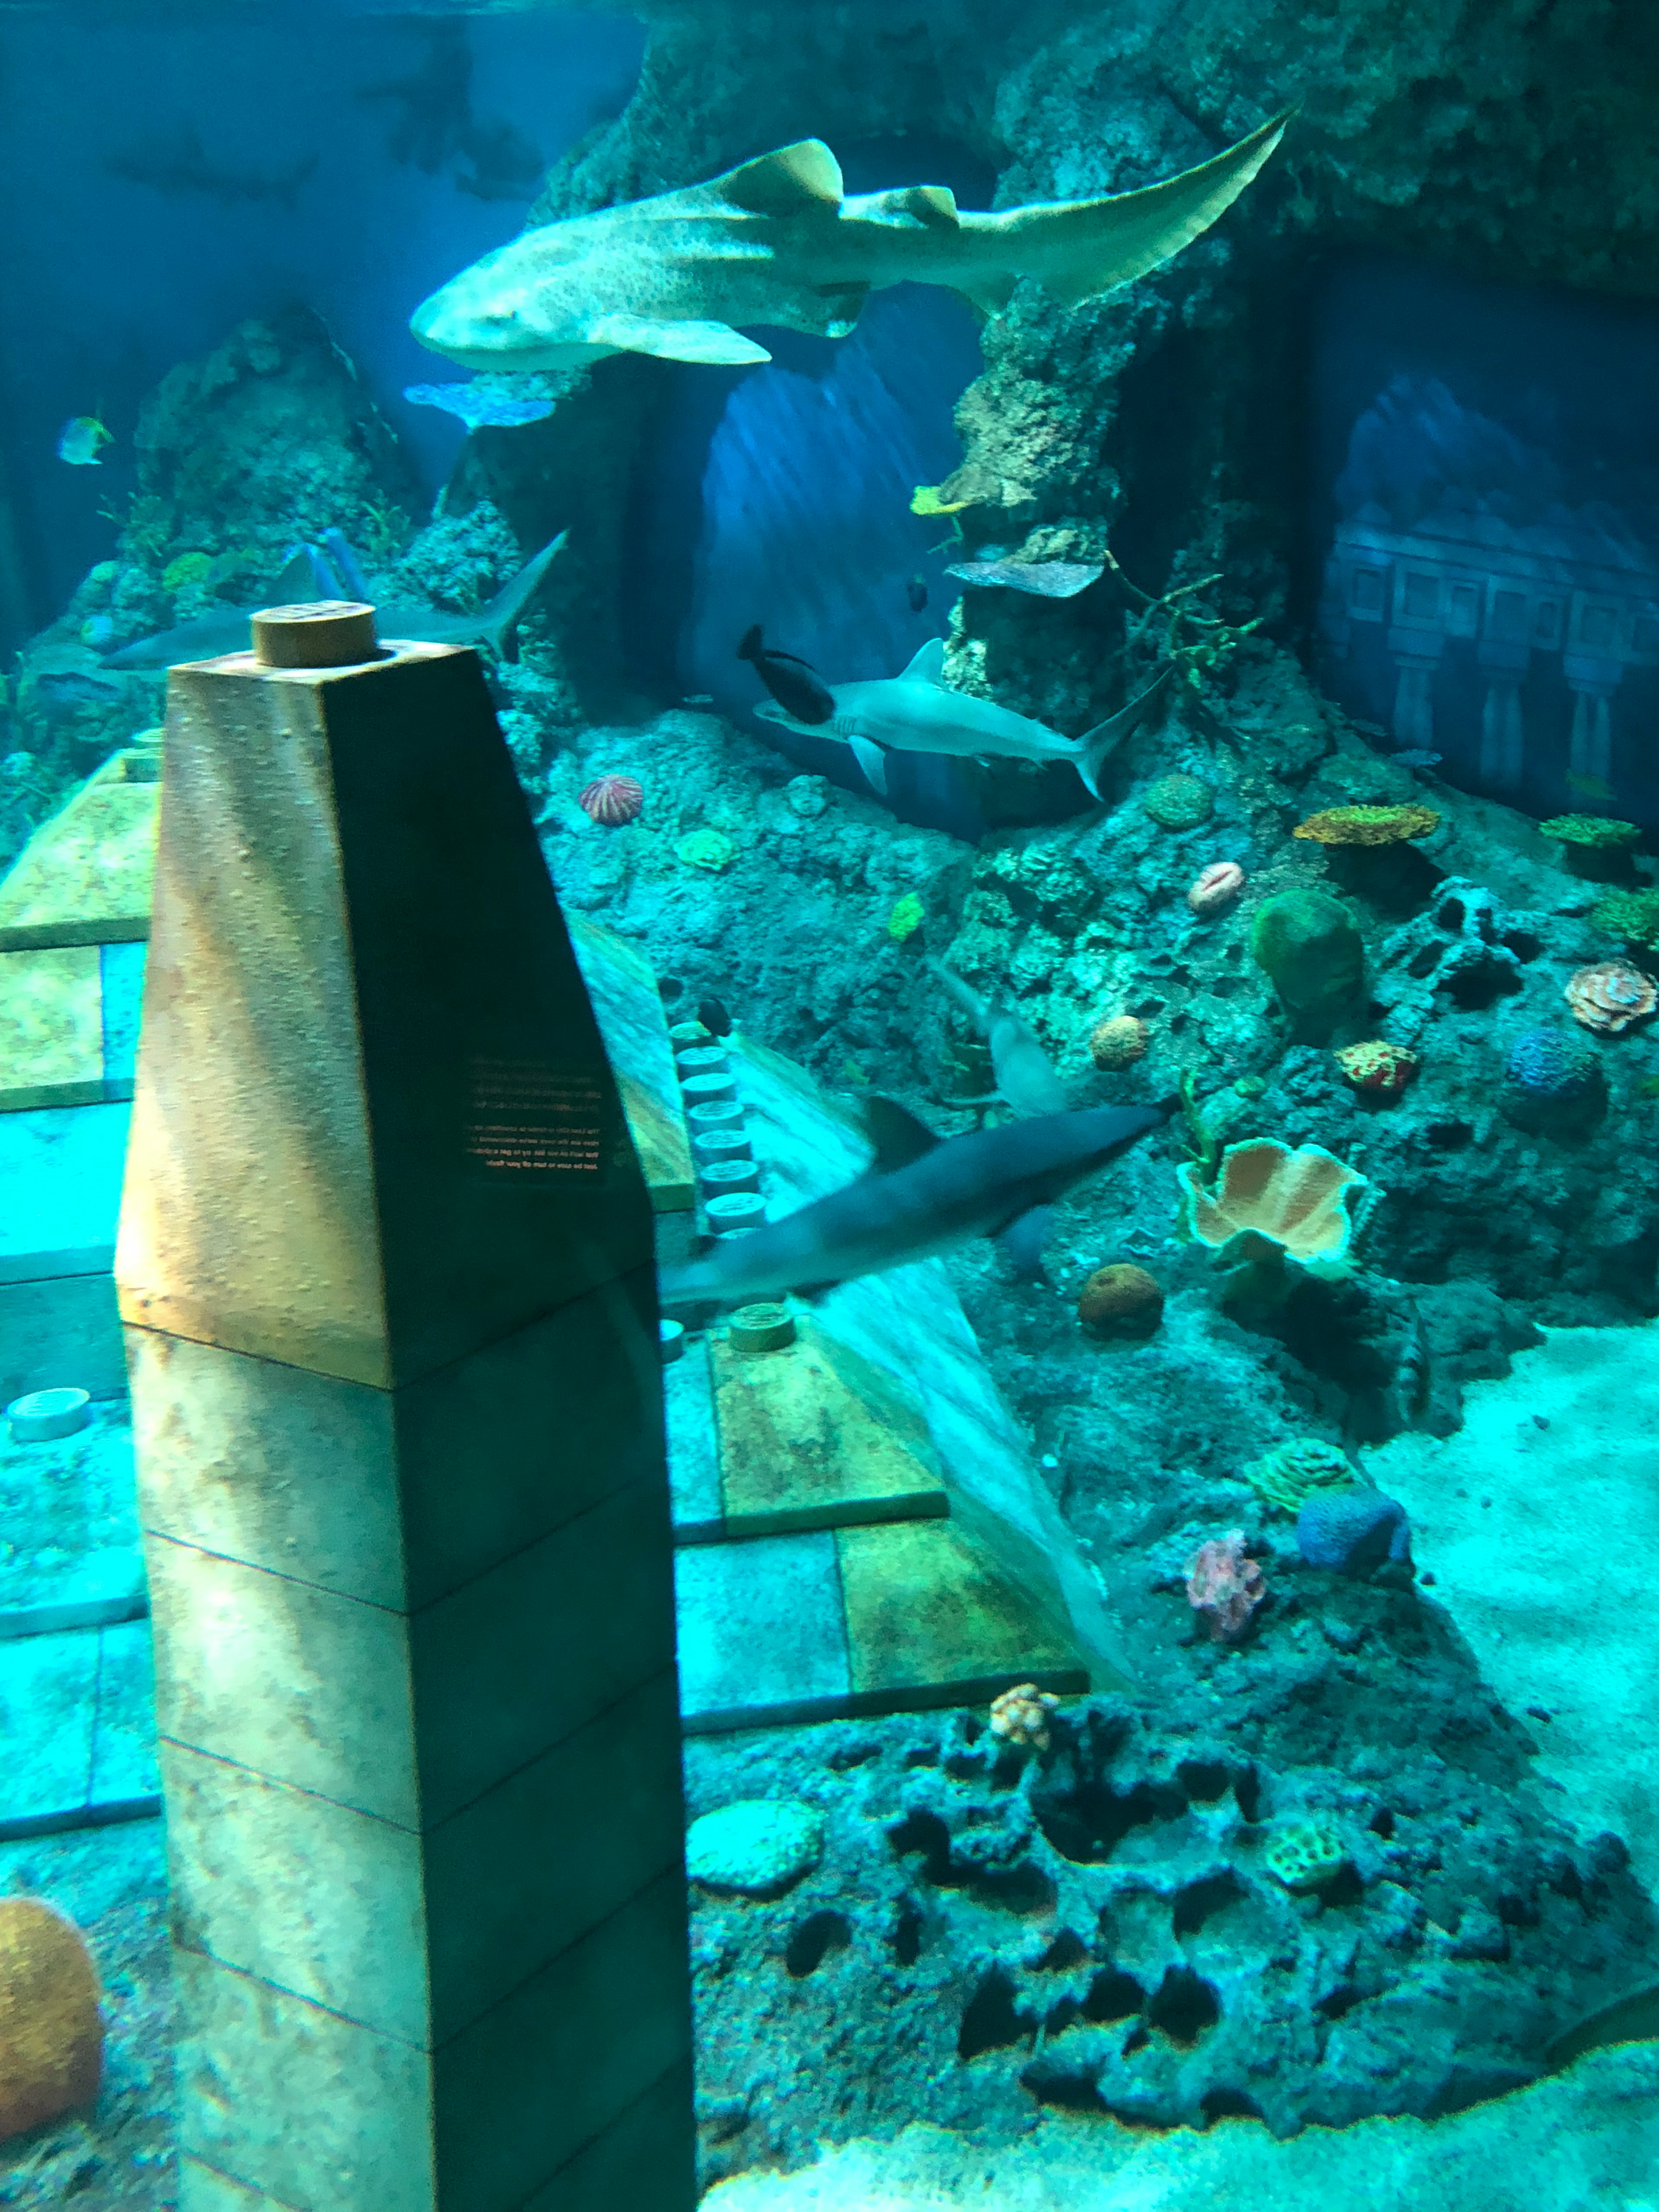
x=929 y=665
x=301 y=578
x=787 y=182
x=897 y=1134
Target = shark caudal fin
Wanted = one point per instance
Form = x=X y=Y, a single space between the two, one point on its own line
x=501 y=616
x=1099 y=743
x=1077 y=248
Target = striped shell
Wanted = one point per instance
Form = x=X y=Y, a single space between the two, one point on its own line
x=612 y=800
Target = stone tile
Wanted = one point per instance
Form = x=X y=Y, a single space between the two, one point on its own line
x=815 y=1435
x=761 y=1633
x=204 y=2189
x=121 y=977
x=531 y=1868
x=529 y=1652
x=123 y=1767
x=61 y=1329
x=275 y=1466
x=48 y=1695
x=645 y=2160
x=929 y=1611
x=694 y=1459
x=323 y=1902
x=523 y=2089
x=282 y=2096
x=51 y=1045
x=60 y=1190
x=300 y=1684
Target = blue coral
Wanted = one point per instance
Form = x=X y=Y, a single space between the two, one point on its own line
x=1553 y=1083
x=1351 y=1532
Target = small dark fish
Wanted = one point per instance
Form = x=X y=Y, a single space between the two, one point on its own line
x=916 y=591
x=714 y=1017
x=797 y=687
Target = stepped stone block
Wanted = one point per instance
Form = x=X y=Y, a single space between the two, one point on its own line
x=385 y=1263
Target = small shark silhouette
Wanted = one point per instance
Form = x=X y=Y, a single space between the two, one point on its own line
x=777 y=242
x=923 y=1195
x=917 y=712
x=1025 y=1075
x=308 y=575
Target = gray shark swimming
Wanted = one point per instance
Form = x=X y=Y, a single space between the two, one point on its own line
x=777 y=242
x=917 y=712
x=923 y=1195
x=211 y=636
x=1025 y=1075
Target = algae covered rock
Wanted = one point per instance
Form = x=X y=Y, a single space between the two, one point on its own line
x=1179 y=802
x=51 y=2037
x=1308 y=945
x=759 y=1847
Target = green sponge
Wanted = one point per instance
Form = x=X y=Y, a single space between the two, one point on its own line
x=1304 y=1854
x=1309 y=946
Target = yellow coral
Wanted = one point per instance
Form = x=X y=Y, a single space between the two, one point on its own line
x=1367 y=825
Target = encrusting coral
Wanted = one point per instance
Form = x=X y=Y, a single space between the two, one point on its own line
x=1367 y=825
x=1119 y=1040
x=1289 y=1475
x=1121 y=1301
x=1377 y=1067
x=1610 y=996
x=1226 y=1586
x=1298 y=1204
x=1020 y=1716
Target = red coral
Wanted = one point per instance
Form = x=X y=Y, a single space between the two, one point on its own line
x=1224 y=1585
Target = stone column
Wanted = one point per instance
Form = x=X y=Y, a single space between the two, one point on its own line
x=386 y=1266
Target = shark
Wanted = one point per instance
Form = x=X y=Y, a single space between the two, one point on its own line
x=917 y=712
x=305 y=576
x=923 y=1195
x=1025 y=1075
x=778 y=241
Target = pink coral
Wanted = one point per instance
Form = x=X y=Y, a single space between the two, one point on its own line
x=612 y=800
x=1217 y=887
x=1225 y=1585
x=1375 y=1065
x=1610 y=996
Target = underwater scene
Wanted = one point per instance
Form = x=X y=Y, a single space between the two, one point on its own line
x=829 y=1204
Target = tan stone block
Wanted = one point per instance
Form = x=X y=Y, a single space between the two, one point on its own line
x=396 y=1138
x=284 y=2097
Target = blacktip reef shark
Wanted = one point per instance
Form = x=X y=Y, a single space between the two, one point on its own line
x=308 y=575
x=1026 y=1079
x=776 y=240
x=919 y=712
x=923 y=1195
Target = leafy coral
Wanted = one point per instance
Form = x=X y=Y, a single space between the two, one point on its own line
x=1595 y=831
x=1634 y=915
x=1367 y=825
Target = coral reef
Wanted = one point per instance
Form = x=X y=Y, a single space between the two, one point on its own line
x=1367 y=825
x=612 y=800
x=1121 y=1301
x=1292 y=1472
x=1301 y=1202
x=1119 y=1040
x=52 y=2038
x=1224 y=1585
x=1608 y=997
x=1308 y=944
x=1179 y=802
x=1378 y=1066
x=1351 y=1532
x=1552 y=1084
x=1020 y=1716
x=1216 y=888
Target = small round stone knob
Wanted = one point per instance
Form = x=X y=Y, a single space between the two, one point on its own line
x=324 y=634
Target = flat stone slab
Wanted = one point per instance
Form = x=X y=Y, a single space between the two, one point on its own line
x=85 y=876
x=77 y=1730
x=69 y=1552
x=622 y=987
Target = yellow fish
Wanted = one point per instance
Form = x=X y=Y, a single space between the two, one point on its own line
x=79 y=440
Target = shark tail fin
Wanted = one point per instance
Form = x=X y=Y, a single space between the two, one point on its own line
x=501 y=616
x=966 y=997
x=1099 y=743
x=1081 y=247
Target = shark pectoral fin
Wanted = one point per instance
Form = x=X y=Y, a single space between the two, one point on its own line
x=842 y=306
x=871 y=759
x=1023 y=1238
x=928 y=666
x=785 y=181
x=990 y=293
x=716 y=343
x=898 y=1135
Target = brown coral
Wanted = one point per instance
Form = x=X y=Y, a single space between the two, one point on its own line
x=1119 y=1041
x=1298 y=1200
x=1121 y=1301
x=1367 y=825
x=1610 y=996
x=52 y=2038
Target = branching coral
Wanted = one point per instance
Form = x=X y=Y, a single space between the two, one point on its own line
x=1199 y=644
